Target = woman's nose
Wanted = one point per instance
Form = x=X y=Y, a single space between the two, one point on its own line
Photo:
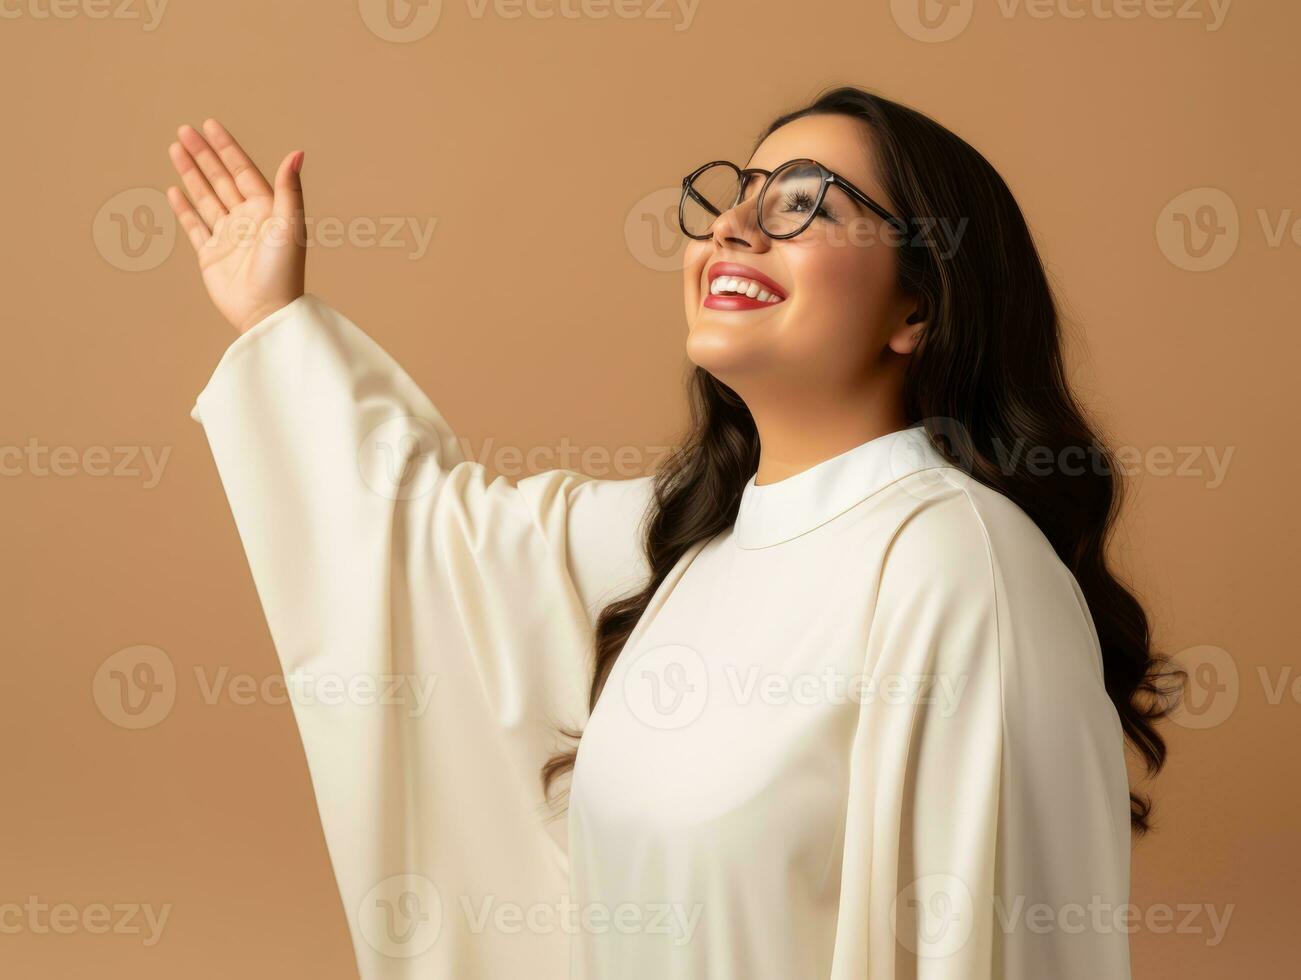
x=739 y=227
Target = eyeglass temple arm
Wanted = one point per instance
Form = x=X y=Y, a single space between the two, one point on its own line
x=691 y=190
x=864 y=199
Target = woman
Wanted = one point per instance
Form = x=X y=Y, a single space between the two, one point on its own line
x=861 y=679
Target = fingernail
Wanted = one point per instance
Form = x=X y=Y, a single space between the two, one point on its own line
x=297 y=165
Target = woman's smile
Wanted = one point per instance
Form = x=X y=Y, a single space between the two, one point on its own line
x=741 y=287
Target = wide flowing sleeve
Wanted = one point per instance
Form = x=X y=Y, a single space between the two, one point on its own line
x=988 y=824
x=434 y=629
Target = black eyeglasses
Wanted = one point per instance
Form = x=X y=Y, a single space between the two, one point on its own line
x=790 y=198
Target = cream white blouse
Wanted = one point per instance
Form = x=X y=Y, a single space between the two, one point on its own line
x=862 y=735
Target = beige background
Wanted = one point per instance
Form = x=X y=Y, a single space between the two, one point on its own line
x=492 y=130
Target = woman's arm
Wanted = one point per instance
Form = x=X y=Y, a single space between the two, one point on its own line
x=434 y=626
x=250 y=241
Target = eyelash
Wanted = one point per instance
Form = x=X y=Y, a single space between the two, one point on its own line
x=802 y=198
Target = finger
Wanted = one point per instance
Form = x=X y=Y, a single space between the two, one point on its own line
x=248 y=178
x=200 y=190
x=218 y=176
x=289 y=189
x=195 y=230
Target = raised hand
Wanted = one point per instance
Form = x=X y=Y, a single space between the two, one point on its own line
x=250 y=238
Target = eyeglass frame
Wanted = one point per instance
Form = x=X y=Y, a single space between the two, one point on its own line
x=829 y=177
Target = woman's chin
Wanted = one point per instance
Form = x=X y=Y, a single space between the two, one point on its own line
x=726 y=344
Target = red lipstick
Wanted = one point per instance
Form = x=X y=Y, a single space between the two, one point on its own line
x=737 y=302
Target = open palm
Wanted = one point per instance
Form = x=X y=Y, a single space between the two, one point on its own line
x=249 y=237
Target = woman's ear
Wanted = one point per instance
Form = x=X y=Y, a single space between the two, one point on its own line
x=906 y=338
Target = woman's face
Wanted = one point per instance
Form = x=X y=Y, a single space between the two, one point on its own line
x=839 y=317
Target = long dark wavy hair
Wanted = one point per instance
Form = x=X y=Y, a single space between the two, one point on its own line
x=988 y=367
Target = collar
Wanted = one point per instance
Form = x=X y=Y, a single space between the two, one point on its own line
x=775 y=512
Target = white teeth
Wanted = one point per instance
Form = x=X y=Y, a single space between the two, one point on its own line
x=742 y=287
